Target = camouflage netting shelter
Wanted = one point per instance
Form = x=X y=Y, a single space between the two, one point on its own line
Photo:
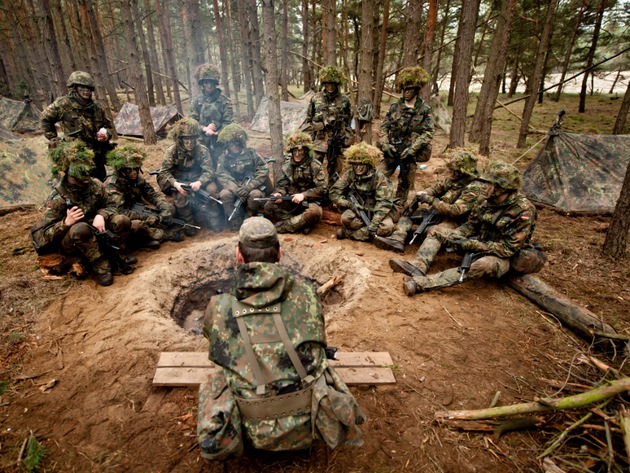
x=127 y=121
x=578 y=173
x=292 y=113
x=19 y=116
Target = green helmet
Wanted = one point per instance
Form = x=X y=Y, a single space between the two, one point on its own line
x=80 y=78
x=299 y=139
x=463 y=161
x=233 y=132
x=411 y=77
x=127 y=156
x=185 y=127
x=502 y=174
x=331 y=74
x=363 y=153
x=207 y=72
x=73 y=158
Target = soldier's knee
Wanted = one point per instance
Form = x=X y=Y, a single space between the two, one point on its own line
x=120 y=223
x=81 y=231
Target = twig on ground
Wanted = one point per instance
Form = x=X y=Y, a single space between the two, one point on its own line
x=563 y=435
x=495 y=399
x=452 y=318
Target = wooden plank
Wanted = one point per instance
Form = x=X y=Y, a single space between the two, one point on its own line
x=376 y=358
x=195 y=376
x=184 y=358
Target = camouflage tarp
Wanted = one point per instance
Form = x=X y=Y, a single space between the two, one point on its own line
x=19 y=116
x=293 y=114
x=24 y=170
x=127 y=121
x=578 y=173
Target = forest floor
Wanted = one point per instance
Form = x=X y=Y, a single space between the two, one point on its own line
x=77 y=360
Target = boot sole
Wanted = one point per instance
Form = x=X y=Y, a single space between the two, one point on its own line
x=404 y=268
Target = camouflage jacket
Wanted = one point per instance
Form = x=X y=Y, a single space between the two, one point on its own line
x=263 y=285
x=307 y=178
x=126 y=192
x=374 y=190
x=185 y=166
x=92 y=198
x=407 y=126
x=232 y=171
x=212 y=108
x=456 y=198
x=74 y=113
x=333 y=111
x=502 y=229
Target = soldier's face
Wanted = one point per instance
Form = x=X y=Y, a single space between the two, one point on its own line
x=84 y=92
x=330 y=87
x=208 y=85
x=188 y=142
x=78 y=181
x=235 y=147
x=298 y=154
x=410 y=93
x=132 y=173
x=360 y=169
x=498 y=194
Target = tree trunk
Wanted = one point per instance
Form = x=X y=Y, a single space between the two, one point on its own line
x=233 y=34
x=284 y=72
x=246 y=51
x=155 y=64
x=466 y=33
x=617 y=235
x=536 y=76
x=436 y=70
x=135 y=74
x=63 y=38
x=427 y=54
x=222 y=50
x=306 y=68
x=145 y=52
x=379 y=73
x=620 y=123
x=591 y=55
x=329 y=18
x=164 y=27
x=58 y=78
x=195 y=49
x=569 y=49
x=271 y=65
x=411 y=43
x=365 y=72
x=257 y=67
x=77 y=48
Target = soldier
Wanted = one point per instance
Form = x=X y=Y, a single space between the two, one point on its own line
x=303 y=180
x=496 y=233
x=129 y=189
x=329 y=115
x=243 y=176
x=452 y=197
x=78 y=207
x=211 y=109
x=374 y=194
x=81 y=118
x=408 y=131
x=187 y=163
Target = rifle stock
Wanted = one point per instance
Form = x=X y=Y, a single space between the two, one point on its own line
x=144 y=210
x=356 y=208
x=432 y=217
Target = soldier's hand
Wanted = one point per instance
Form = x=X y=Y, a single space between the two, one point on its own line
x=406 y=154
x=372 y=229
x=242 y=192
x=344 y=204
x=425 y=198
x=166 y=219
x=151 y=220
x=179 y=188
x=73 y=215
x=195 y=186
x=99 y=223
x=297 y=198
x=102 y=135
x=468 y=244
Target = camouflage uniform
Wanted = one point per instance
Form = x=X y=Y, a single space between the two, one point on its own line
x=407 y=130
x=327 y=114
x=84 y=116
x=306 y=177
x=374 y=192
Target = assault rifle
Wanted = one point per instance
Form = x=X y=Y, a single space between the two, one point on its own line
x=357 y=207
x=239 y=202
x=412 y=207
x=432 y=217
x=336 y=141
x=203 y=195
x=464 y=267
x=144 y=210
x=286 y=198
x=155 y=172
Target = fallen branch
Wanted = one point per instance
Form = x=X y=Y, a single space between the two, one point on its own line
x=542 y=405
x=624 y=421
x=328 y=285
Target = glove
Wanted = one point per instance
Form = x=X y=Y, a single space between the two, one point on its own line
x=468 y=244
x=166 y=220
x=406 y=154
x=344 y=204
x=318 y=126
x=372 y=229
x=151 y=220
x=425 y=198
x=387 y=149
x=242 y=192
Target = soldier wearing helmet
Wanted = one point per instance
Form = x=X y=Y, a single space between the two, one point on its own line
x=211 y=109
x=328 y=117
x=304 y=181
x=497 y=234
x=407 y=131
x=373 y=191
x=243 y=176
x=81 y=118
x=128 y=189
x=78 y=207
x=188 y=163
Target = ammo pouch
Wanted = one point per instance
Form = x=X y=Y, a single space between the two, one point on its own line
x=529 y=259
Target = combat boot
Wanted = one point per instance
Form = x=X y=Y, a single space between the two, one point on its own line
x=401 y=266
x=341 y=234
x=283 y=227
x=104 y=279
x=152 y=245
x=389 y=244
x=190 y=231
x=410 y=287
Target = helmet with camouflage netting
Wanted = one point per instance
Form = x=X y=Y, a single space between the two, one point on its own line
x=233 y=132
x=411 y=77
x=207 y=72
x=127 y=156
x=80 y=78
x=363 y=153
x=331 y=74
x=299 y=139
x=73 y=158
x=186 y=127
x=463 y=161
x=505 y=175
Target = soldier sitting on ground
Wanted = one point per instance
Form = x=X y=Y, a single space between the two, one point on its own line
x=187 y=163
x=408 y=131
x=129 y=189
x=496 y=236
x=304 y=181
x=329 y=115
x=76 y=210
x=372 y=191
x=81 y=118
x=211 y=109
x=452 y=197
x=243 y=176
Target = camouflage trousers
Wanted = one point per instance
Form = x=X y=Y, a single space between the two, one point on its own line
x=406 y=177
x=292 y=217
x=334 y=166
x=142 y=232
x=205 y=214
x=431 y=246
x=486 y=266
x=355 y=229
x=249 y=208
